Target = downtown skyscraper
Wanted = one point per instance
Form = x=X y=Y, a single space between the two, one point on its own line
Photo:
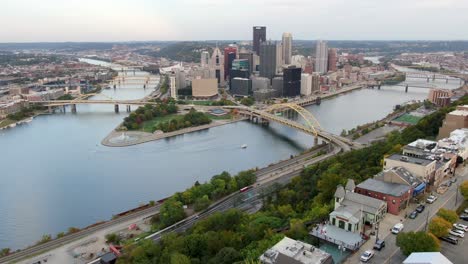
x=268 y=59
x=287 y=48
x=321 y=57
x=259 y=36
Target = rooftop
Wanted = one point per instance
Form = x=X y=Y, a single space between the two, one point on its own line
x=403 y=158
x=393 y=189
x=356 y=200
x=295 y=252
x=402 y=173
x=426 y=258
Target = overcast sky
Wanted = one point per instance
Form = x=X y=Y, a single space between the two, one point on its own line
x=128 y=20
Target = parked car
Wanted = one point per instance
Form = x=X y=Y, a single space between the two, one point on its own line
x=450 y=239
x=461 y=227
x=456 y=232
x=465 y=211
x=367 y=255
x=413 y=214
x=397 y=228
x=379 y=244
x=431 y=199
x=464 y=217
x=420 y=208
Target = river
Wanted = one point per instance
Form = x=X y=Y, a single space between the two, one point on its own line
x=55 y=174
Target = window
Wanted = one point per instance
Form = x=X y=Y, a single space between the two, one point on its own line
x=333 y=221
x=337 y=200
x=385 y=198
x=349 y=226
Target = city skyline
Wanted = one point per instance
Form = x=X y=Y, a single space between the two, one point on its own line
x=144 y=20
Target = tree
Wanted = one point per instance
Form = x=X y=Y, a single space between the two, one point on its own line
x=112 y=238
x=449 y=215
x=5 y=252
x=72 y=230
x=44 y=239
x=417 y=242
x=171 y=212
x=202 y=203
x=464 y=190
x=61 y=234
x=439 y=226
x=178 y=258
x=226 y=255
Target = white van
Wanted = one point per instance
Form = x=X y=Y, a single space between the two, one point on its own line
x=397 y=228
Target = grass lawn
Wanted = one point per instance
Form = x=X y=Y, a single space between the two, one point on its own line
x=6 y=122
x=148 y=126
x=406 y=118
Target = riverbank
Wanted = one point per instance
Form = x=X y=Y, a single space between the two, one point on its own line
x=131 y=138
x=8 y=123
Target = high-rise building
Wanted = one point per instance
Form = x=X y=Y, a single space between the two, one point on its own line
x=315 y=82
x=306 y=84
x=241 y=64
x=217 y=65
x=173 y=86
x=259 y=36
x=287 y=48
x=260 y=83
x=332 y=59
x=277 y=85
x=241 y=86
x=205 y=58
x=321 y=57
x=247 y=55
x=230 y=54
x=268 y=51
x=292 y=81
x=279 y=58
x=238 y=74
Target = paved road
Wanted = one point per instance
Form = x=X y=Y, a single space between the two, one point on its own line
x=391 y=253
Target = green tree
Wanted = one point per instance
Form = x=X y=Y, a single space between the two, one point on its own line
x=449 y=215
x=202 y=203
x=439 y=226
x=464 y=189
x=171 y=212
x=226 y=255
x=178 y=258
x=61 y=234
x=417 y=242
x=112 y=238
x=4 y=252
x=44 y=239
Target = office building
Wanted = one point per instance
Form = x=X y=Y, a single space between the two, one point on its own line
x=454 y=120
x=277 y=85
x=241 y=87
x=241 y=64
x=259 y=36
x=306 y=84
x=205 y=58
x=217 y=65
x=279 y=58
x=260 y=83
x=321 y=57
x=332 y=59
x=173 y=86
x=204 y=88
x=287 y=48
x=238 y=74
x=315 y=82
x=291 y=81
x=290 y=251
x=249 y=56
x=268 y=52
x=230 y=54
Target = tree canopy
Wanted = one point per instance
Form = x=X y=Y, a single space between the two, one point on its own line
x=410 y=242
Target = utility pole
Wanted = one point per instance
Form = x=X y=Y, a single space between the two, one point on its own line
x=427 y=221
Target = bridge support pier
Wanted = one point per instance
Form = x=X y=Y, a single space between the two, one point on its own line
x=318 y=100
x=406 y=88
x=73 y=108
x=129 y=108
x=315 y=141
x=116 y=108
x=50 y=109
x=64 y=109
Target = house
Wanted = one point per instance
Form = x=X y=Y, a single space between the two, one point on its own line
x=396 y=195
x=426 y=258
x=353 y=210
x=424 y=169
x=290 y=251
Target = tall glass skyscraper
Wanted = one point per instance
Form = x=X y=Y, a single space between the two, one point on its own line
x=259 y=36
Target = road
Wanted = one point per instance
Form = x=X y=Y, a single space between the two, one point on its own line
x=392 y=254
x=287 y=169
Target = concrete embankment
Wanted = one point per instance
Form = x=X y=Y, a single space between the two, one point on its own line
x=130 y=138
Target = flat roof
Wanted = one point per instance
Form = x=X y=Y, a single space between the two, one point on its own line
x=393 y=189
x=289 y=249
x=426 y=258
x=408 y=159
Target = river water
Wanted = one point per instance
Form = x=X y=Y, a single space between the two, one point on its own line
x=55 y=173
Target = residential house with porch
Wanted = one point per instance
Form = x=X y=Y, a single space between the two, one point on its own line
x=352 y=212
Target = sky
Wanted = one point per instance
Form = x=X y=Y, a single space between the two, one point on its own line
x=146 y=20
